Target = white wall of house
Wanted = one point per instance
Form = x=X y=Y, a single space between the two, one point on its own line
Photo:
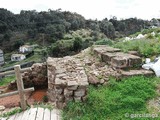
x=24 y=49
x=1 y=58
x=17 y=57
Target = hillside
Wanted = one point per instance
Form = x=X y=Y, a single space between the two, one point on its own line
x=47 y=27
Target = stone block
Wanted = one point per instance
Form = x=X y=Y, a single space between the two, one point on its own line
x=79 y=68
x=84 y=98
x=67 y=92
x=137 y=72
x=51 y=95
x=77 y=99
x=60 y=71
x=50 y=86
x=60 y=105
x=133 y=53
x=74 y=87
x=119 y=62
x=68 y=99
x=79 y=93
x=85 y=83
x=72 y=83
x=103 y=49
x=60 y=98
x=58 y=90
x=60 y=82
x=106 y=57
x=134 y=61
x=93 y=80
x=60 y=75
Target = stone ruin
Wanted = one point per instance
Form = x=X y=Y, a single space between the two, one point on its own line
x=127 y=64
x=36 y=77
x=67 y=80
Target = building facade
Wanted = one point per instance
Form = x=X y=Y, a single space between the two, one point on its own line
x=1 y=57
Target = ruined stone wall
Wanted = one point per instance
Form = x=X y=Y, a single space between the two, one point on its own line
x=36 y=77
x=116 y=58
x=67 y=80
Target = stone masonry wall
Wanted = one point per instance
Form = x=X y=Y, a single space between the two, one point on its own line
x=67 y=80
x=116 y=58
x=125 y=64
x=36 y=77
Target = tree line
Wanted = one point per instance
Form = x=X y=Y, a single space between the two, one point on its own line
x=51 y=25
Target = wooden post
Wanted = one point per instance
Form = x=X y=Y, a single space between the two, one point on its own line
x=20 y=87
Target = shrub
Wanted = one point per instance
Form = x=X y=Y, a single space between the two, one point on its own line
x=45 y=98
x=77 y=44
x=104 y=42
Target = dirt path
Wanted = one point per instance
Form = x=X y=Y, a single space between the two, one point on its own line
x=13 y=101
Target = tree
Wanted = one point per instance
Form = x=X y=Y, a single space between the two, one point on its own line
x=107 y=28
x=77 y=45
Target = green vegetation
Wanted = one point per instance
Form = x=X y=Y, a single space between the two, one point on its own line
x=6 y=80
x=104 y=42
x=46 y=27
x=12 y=112
x=113 y=101
x=35 y=57
x=146 y=47
x=45 y=98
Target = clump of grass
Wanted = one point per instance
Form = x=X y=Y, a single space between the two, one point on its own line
x=12 y=112
x=45 y=98
x=4 y=81
x=111 y=102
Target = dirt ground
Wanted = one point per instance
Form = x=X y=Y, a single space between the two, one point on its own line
x=31 y=97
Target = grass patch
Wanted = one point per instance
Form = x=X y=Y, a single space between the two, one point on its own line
x=6 y=80
x=113 y=101
x=12 y=112
x=146 y=47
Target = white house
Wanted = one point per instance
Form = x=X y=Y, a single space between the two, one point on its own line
x=25 y=48
x=17 y=57
x=1 y=58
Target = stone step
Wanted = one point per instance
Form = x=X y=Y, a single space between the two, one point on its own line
x=121 y=60
x=115 y=58
x=126 y=61
x=136 y=72
x=99 y=49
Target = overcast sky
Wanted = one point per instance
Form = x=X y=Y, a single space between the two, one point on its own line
x=100 y=9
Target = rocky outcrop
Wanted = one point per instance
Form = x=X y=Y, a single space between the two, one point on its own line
x=67 y=80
